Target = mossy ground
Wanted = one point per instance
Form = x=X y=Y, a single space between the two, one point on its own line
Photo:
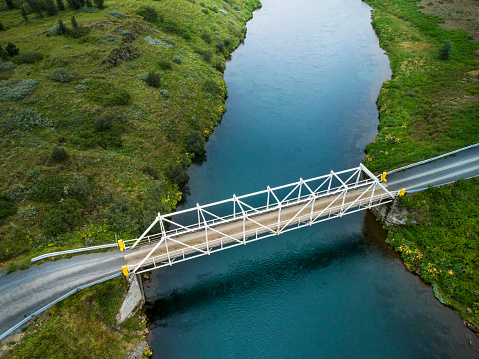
x=114 y=177
x=430 y=107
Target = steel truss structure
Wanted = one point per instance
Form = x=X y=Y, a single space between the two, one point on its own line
x=242 y=219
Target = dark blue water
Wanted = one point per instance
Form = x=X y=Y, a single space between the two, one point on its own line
x=302 y=92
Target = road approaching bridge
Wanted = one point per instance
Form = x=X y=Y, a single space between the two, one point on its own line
x=203 y=230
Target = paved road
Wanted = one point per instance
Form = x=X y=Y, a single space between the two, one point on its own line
x=25 y=291
x=464 y=164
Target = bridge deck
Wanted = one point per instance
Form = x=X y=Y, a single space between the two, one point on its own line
x=273 y=222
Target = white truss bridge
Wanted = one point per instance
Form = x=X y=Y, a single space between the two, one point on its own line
x=217 y=226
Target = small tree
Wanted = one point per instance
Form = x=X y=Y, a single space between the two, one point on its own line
x=60 y=5
x=3 y=53
x=1 y=27
x=11 y=49
x=88 y=3
x=176 y=173
x=153 y=79
x=74 y=22
x=35 y=6
x=59 y=154
x=50 y=7
x=195 y=143
x=99 y=3
x=10 y=4
x=24 y=13
x=61 y=27
x=445 y=50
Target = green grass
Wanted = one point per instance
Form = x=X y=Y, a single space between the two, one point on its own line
x=428 y=108
x=149 y=125
x=81 y=326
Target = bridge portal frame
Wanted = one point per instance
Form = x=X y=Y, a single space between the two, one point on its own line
x=300 y=193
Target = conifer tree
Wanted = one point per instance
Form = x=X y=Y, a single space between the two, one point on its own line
x=60 y=5
x=24 y=13
x=61 y=27
x=35 y=6
x=74 y=22
x=1 y=27
x=10 y=4
x=88 y=3
x=99 y=3
x=50 y=7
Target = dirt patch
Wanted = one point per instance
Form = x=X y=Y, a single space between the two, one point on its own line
x=458 y=14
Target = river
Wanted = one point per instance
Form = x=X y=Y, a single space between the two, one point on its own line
x=302 y=92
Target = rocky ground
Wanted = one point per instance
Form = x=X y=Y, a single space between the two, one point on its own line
x=458 y=14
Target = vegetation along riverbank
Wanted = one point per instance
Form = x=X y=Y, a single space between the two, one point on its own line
x=104 y=104
x=429 y=107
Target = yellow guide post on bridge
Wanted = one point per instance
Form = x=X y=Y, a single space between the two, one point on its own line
x=121 y=245
x=383 y=177
x=125 y=270
x=402 y=192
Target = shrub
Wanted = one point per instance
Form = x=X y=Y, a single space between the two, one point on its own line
x=173 y=27
x=195 y=143
x=148 y=13
x=12 y=49
x=88 y=3
x=99 y=3
x=48 y=189
x=1 y=27
x=106 y=93
x=220 y=46
x=164 y=93
x=176 y=173
x=77 y=32
x=27 y=119
x=24 y=13
x=103 y=123
x=80 y=187
x=35 y=7
x=10 y=4
x=222 y=12
x=74 y=22
x=153 y=79
x=205 y=11
x=211 y=87
x=59 y=154
x=87 y=9
x=7 y=65
x=7 y=207
x=16 y=90
x=120 y=215
x=75 y=4
x=60 y=5
x=63 y=218
x=165 y=65
x=177 y=60
x=3 y=53
x=50 y=8
x=207 y=56
x=16 y=193
x=445 y=50
x=206 y=37
x=62 y=75
x=117 y=14
x=151 y=171
x=220 y=66
x=28 y=57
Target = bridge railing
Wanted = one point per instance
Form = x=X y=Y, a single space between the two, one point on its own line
x=294 y=193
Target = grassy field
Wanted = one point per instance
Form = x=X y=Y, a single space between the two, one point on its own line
x=100 y=116
x=429 y=107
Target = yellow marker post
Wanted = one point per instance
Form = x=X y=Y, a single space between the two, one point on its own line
x=125 y=270
x=402 y=192
x=121 y=245
x=383 y=177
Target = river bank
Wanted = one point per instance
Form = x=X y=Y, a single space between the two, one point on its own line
x=428 y=108
x=119 y=103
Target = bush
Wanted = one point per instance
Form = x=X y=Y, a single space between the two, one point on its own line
x=211 y=87
x=60 y=5
x=151 y=171
x=116 y=14
x=11 y=49
x=107 y=94
x=220 y=46
x=164 y=64
x=15 y=90
x=10 y=4
x=48 y=189
x=445 y=50
x=103 y=123
x=177 y=60
x=173 y=27
x=62 y=75
x=99 y=3
x=63 y=218
x=59 y=154
x=220 y=66
x=28 y=57
x=24 y=13
x=27 y=119
x=148 y=13
x=207 y=56
x=3 y=53
x=195 y=143
x=120 y=215
x=206 y=37
x=77 y=32
x=7 y=207
x=153 y=79
x=50 y=8
x=176 y=173
x=35 y=7
x=205 y=11
x=164 y=93
x=1 y=27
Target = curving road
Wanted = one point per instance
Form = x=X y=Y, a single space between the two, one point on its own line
x=26 y=291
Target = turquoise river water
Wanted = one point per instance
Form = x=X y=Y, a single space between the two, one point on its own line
x=302 y=101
